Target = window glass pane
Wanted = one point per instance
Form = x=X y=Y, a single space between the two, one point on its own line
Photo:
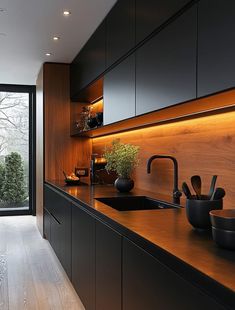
x=14 y=150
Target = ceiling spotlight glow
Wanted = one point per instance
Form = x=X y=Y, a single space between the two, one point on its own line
x=66 y=13
x=48 y=54
x=56 y=38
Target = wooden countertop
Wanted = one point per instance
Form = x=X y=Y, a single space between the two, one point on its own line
x=167 y=235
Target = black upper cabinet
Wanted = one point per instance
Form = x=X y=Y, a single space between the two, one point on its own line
x=83 y=256
x=166 y=65
x=90 y=62
x=216 y=46
x=119 y=91
x=148 y=284
x=108 y=268
x=151 y=14
x=120 y=30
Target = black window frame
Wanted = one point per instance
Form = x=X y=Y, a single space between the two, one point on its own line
x=31 y=90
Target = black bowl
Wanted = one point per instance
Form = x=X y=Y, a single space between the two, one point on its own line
x=224 y=238
x=72 y=182
x=223 y=219
x=197 y=212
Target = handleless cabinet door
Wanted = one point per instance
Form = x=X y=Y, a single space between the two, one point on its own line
x=216 y=46
x=151 y=14
x=166 y=65
x=119 y=92
x=83 y=256
x=148 y=284
x=89 y=63
x=120 y=30
x=108 y=268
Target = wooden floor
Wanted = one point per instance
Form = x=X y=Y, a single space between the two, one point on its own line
x=31 y=276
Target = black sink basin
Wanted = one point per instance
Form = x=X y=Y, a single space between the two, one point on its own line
x=135 y=203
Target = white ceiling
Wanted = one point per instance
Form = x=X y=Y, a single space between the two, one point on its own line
x=28 y=26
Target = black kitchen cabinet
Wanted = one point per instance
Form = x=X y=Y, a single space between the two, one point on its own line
x=216 y=46
x=119 y=91
x=148 y=284
x=58 y=223
x=83 y=256
x=166 y=65
x=120 y=30
x=47 y=224
x=89 y=63
x=108 y=268
x=151 y=14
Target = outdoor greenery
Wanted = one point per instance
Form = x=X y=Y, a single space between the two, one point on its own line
x=13 y=185
x=14 y=150
x=2 y=178
x=121 y=158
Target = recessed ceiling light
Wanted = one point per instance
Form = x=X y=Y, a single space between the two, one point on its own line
x=48 y=54
x=66 y=13
x=56 y=38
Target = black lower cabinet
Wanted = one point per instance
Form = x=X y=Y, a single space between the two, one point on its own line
x=148 y=284
x=57 y=226
x=83 y=256
x=47 y=225
x=108 y=268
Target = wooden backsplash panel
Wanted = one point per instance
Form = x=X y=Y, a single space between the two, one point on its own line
x=203 y=146
x=61 y=151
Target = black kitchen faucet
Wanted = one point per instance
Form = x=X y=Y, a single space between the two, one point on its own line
x=176 y=192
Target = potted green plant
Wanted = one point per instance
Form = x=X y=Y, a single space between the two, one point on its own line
x=122 y=158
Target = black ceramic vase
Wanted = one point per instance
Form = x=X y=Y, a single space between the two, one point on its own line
x=124 y=185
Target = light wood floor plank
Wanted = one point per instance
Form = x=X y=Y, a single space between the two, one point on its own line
x=31 y=276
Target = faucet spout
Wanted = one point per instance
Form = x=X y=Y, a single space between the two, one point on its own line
x=176 y=191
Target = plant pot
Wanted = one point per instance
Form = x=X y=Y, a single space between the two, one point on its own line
x=124 y=185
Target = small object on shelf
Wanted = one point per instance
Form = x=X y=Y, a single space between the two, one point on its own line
x=197 y=211
x=71 y=179
x=223 y=219
x=92 y=122
x=99 y=118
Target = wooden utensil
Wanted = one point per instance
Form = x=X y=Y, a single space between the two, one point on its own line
x=197 y=185
x=218 y=194
x=186 y=190
x=212 y=187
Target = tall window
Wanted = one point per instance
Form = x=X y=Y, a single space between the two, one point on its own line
x=15 y=155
